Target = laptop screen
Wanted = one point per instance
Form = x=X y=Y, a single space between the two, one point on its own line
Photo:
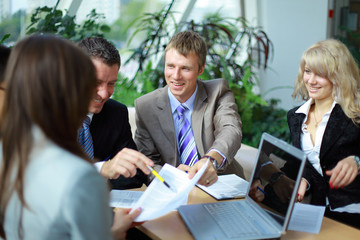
x=275 y=179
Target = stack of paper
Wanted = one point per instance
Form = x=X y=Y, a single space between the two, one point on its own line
x=227 y=187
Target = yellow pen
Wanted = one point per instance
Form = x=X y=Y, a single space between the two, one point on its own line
x=158 y=176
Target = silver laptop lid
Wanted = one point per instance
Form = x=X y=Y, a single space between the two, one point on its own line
x=276 y=177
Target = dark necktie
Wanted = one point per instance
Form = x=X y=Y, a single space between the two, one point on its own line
x=188 y=151
x=85 y=138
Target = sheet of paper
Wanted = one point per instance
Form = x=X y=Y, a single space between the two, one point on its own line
x=124 y=198
x=227 y=186
x=159 y=200
x=306 y=218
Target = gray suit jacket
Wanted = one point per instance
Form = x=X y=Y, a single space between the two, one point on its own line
x=215 y=122
x=67 y=197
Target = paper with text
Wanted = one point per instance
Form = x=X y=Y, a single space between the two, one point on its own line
x=158 y=200
x=124 y=198
x=226 y=187
x=306 y=218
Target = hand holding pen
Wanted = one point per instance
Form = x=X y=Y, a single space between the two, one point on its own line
x=256 y=191
x=125 y=163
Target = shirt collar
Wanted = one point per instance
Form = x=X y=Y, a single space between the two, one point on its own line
x=174 y=103
x=306 y=107
x=90 y=115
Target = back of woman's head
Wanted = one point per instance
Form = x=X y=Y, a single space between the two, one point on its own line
x=49 y=83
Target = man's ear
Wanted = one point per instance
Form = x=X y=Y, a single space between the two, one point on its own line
x=201 y=70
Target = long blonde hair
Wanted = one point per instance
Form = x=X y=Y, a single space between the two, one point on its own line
x=332 y=60
x=49 y=83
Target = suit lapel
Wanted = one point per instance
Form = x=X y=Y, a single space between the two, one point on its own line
x=198 y=116
x=296 y=128
x=164 y=116
x=334 y=129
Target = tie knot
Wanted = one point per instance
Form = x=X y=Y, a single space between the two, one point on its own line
x=181 y=109
x=86 y=122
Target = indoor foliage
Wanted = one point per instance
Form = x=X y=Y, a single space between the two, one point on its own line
x=236 y=51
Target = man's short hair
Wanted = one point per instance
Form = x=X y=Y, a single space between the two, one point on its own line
x=100 y=48
x=4 y=56
x=189 y=42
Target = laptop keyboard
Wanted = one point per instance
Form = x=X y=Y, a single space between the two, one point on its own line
x=235 y=220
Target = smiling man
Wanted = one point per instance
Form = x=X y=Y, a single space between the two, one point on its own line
x=112 y=145
x=189 y=120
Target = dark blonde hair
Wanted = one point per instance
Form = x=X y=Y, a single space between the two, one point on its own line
x=332 y=60
x=49 y=82
x=189 y=42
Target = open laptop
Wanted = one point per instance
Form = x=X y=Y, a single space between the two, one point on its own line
x=265 y=212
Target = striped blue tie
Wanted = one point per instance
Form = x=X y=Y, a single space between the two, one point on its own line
x=85 y=138
x=187 y=146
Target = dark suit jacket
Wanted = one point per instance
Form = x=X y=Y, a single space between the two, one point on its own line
x=341 y=139
x=215 y=123
x=111 y=132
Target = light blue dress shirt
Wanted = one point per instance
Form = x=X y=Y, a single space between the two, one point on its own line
x=174 y=104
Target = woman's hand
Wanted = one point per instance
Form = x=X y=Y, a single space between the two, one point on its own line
x=343 y=173
x=123 y=220
x=302 y=189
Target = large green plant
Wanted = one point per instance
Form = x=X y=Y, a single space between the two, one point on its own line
x=55 y=21
x=352 y=41
x=10 y=27
x=227 y=39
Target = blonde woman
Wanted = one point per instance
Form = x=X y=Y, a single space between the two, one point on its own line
x=327 y=128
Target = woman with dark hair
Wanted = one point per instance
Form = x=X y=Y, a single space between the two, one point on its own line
x=48 y=187
x=327 y=128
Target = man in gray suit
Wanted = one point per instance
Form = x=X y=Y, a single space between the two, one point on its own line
x=206 y=108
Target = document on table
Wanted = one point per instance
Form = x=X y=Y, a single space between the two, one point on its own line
x=124 y=198
x=227 y=186
x=306 y=218
x=158 y=200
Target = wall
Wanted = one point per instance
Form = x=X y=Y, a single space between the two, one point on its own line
x=293 y=26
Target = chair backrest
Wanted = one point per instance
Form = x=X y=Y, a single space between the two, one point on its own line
x=132 y=121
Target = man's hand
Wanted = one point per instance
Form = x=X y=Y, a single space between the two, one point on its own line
x=125 y=163
x=123 y=220
x=343 y=173
x=209 y=177
x=255 y=193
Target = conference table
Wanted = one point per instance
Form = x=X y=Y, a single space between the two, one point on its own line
x=171 y=226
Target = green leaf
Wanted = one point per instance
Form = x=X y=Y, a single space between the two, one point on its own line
x=105 y=28
x=6 y=36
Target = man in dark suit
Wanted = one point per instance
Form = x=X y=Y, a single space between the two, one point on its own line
x=113 y=146
x=4 y=55
x=210 y=110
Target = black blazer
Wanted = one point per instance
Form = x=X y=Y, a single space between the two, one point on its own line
x=111 y=132
x=341 y=139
